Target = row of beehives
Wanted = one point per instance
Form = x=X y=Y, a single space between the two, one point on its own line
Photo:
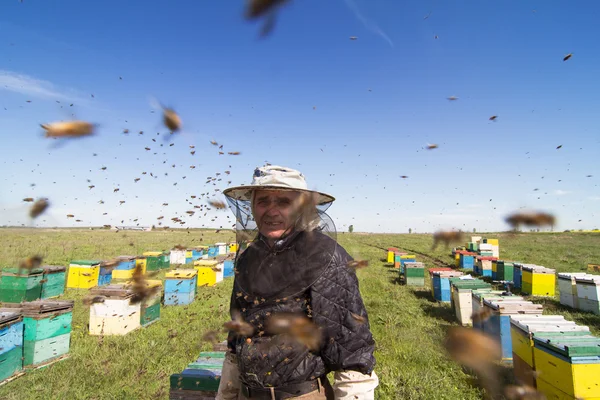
x=483 y=246
x=412 y=273
x=33 y=335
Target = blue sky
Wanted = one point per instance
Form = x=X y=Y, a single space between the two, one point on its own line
x=352 y=115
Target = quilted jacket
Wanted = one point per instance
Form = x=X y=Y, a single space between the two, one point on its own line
x=304 y=273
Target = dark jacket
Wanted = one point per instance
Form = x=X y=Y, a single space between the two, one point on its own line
x=304 y=273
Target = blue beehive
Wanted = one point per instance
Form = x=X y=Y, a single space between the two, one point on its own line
x=126 y=263
x=213 y=251
x=105 y=276
x=467 y=261
x=180 y=286
x=498 y=325
x=518 y=276
x=228 y=268
x=441 y=284
x=11 y=343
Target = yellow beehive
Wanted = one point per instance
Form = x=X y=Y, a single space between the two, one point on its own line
x=232 y=247
x=457 y=259
x=83 y=276
x=538 y=281
x=493 y=242
x=390 y=256
x=188 y=254
x=141 y=261
x=122 y=274
x=207 y=274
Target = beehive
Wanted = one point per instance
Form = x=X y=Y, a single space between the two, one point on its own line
x=228 y=269
x=457 y=255
x=18 y=285
x=180 y=286
x=153 y=260
x=105 y=276
x=571 y=364
x=414 y=274
x=538 y=280
x=495 y=247
x=494 y=269
x=222 y=248
x=53 y=283
x=484 y=265
x=476 y=239
x=197 y=252
x=567 y=288
x=461 y=297
x=498 y=324
x=200 y=379
x=232 y=249
x=114 y=316
x=522 y=330
x=83 y=274
x=397 y=260
x=404 y=258
x=165 y=260
x=441 y=284
x=11 y=343
x=467 y=260
x=213 y=251
x=390 y=254
x=47 y=331
x=125 y=268
x=505 y=270
x=209 y=272
x=150 y=307
x=177 y=256
x=140 y=262
x=430 y=272
x=478 y=296
x=189 y=256
x=588 y=293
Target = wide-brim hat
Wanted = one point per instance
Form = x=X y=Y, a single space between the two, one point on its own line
x=273 y=177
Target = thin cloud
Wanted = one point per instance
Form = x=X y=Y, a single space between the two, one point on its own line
x=370 y=25
x=559 y=192
x=594 y=198
x=30 y=86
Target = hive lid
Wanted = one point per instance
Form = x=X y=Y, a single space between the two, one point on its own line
x=152 y=253
x=181 y=273
x=221 y=244
x=408 y=256
x=414 y=265
x=486 y=258
x=14 y=271
x=570 y=346
x=593 y=279
x=117 y=290
x=86 y=262
x=447 y=274
x=538 y=318
x=126 y=258
x=392 y=249
x=8 y=315
x=514 y=307
x=53 y=268
x=38 y=307
x=205 y=263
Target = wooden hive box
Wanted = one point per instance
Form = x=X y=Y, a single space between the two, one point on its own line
x=570 y=364
x=53 y=283
x=505 y=270
x=462 y=297
x=83 y=274
x=213 y=251
x=153 y=260
x=232 y=248
x=404 y=258
x=390 y=254
x=228 y=269
x=18 y=285
x=441 y=284
x=125 y=268
x=478 y=296
x=209 y=273
x=180 y=286
x=430 y=272
x=467 y=260
x=150 y=308
x=538 y=281
x=498 y=324
x=222 y=248
x=140 y=261
x=106 y=274
x=47 y=331
x=189 y=256
x=522 y=330
x=114 y=316
x=200 y=379
x=165 y=260
x=588 y=293
x=177 y=257
x=457 y=255
x=414 y=273
x=567 y=288
x=11 y=343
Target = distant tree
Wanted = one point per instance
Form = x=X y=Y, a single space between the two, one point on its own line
x=474 y=230
x=153 y=227
x=351 y=228
x=409 y=230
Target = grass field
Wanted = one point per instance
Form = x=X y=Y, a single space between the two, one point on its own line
x=408 y=326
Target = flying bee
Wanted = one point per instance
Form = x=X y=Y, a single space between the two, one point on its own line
x=259 y=8
x=238 y=325
x=358 y=264
x=234 y=153
x=359 y=318
x=28 y=199
x=353 y=37
x=431 y=146
x=452 y=98
x=31 y=263
x=171 y=119
x=190 y=212
x=89 y=300
x=493 y=117
x=70 y=129
x=38 y=208
x=70 y=216
x=482 y=315
x=568 y=56
x=299 y=326
x=214 y=143
x=530 y=219
x=219 y=205
x=447 y=237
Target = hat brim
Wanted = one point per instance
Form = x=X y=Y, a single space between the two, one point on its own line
x=244 y=193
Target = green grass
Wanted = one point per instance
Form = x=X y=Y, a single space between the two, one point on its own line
x=408 y=326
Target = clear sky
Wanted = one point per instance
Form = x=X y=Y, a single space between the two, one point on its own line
x=352 y=115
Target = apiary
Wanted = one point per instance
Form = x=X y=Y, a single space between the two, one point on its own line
x=210 y=272
x=200 y=379
x=414 y=274
x=177 y=256
x=461 y=297
x=83 y=274
x=568 y=365
x=441 y=284
x=153 y=260
x=588 y=293
x=505 y=270
x=125 y=268
x=180 y=286
x=47 y=331
x=222 y=248
x=498 y=324
x=390 y=254
x=567 y=288
x=11 y=343
x=53 y=282
x=538 y=280
x=18 y=284
x=522 y=330
x=228 y=269
x=467 y=260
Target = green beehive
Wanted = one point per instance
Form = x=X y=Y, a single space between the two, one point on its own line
x=165 y=260
x=18 y=285
x=199 y=378
x=53 y=284
x=414 y=273
x=154 y=260
x=505 y=271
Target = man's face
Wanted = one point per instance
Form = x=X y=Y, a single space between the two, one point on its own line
x=274 y=211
